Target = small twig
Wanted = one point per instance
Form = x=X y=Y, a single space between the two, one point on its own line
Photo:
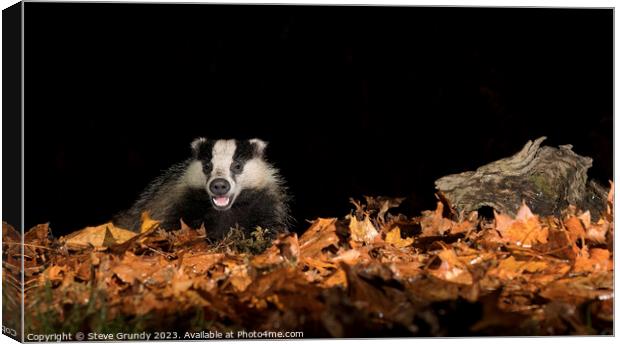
x=31 y=287
x=31 y=245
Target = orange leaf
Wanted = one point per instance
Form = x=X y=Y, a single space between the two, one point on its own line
x=350 y=257
x=597 y=232
x=452 y=269
x=125 y=273
x=596 y=259
x=502 y=221
x=405 y=270
x=147 y=222
x=320 y=235
x=180 y=283
x=586 y=219
x=200 y=263
x=100 y=236
x=362 y=231
x=433 y=223
x=575 y=229
x=524 y=213
x=525 y=230
x=239 y=277
x=393 y=237
x=55 y=273
x=320 y=265
x=338 y=278
x=461 y=227
x=511 y=268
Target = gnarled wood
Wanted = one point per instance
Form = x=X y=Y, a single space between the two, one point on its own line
x=548 y=179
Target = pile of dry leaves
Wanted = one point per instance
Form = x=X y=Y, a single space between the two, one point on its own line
x=370 y=274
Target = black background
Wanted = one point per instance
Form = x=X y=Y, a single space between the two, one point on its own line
x=11 y=115
x=353 y=100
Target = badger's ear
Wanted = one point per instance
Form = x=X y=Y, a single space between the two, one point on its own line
x=259 y=146
x=196 y=145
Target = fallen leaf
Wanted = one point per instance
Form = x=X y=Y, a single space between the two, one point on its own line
x=524 y=213
x=320 y=235
x=575 y=228
x=180 y=283
x=525 y=230
x=147 y=222
x=592 y=260
x=9 y=234
x=38 y=234
x=125 y=273
x=451 y=268
x=349 y=257
x=200 y=262
x=598 y=231
x=577 y=290
x=362 y=231
x=55 y=274
x=433 y=223
x=323 y=267
x=462 y=227
x=511 y=268
x=148 y=303
x=100 y=236
x=406 y=270
x=338 y=278
x=239 y=277
x=393 y=237
x=585 y=218
x=382 y=204
x=288 y=245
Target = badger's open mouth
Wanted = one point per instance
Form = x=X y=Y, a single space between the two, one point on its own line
x=221 y=202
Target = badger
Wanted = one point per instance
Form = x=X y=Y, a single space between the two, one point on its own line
x=225 y=184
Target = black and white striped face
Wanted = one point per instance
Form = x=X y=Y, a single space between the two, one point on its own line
x=227 y=167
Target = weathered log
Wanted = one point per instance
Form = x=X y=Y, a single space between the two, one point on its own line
x=547 y=179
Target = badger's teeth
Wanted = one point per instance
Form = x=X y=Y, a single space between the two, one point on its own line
x=221 y=201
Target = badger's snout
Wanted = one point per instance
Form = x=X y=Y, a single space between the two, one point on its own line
x=219 y=186
x=221 y=197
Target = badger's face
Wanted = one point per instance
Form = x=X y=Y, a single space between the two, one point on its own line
x=224 y=168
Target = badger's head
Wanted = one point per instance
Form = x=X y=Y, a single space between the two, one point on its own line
x=225 y=168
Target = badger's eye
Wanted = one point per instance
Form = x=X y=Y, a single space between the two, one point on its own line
x=207 y=166
x=236 y=167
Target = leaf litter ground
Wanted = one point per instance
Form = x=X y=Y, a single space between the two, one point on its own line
x=370 y=274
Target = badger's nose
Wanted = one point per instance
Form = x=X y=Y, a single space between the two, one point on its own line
x=219 y=186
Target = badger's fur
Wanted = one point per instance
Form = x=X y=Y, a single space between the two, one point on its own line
x=225 y=184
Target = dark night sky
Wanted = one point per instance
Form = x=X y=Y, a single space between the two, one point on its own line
x=353 y=100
